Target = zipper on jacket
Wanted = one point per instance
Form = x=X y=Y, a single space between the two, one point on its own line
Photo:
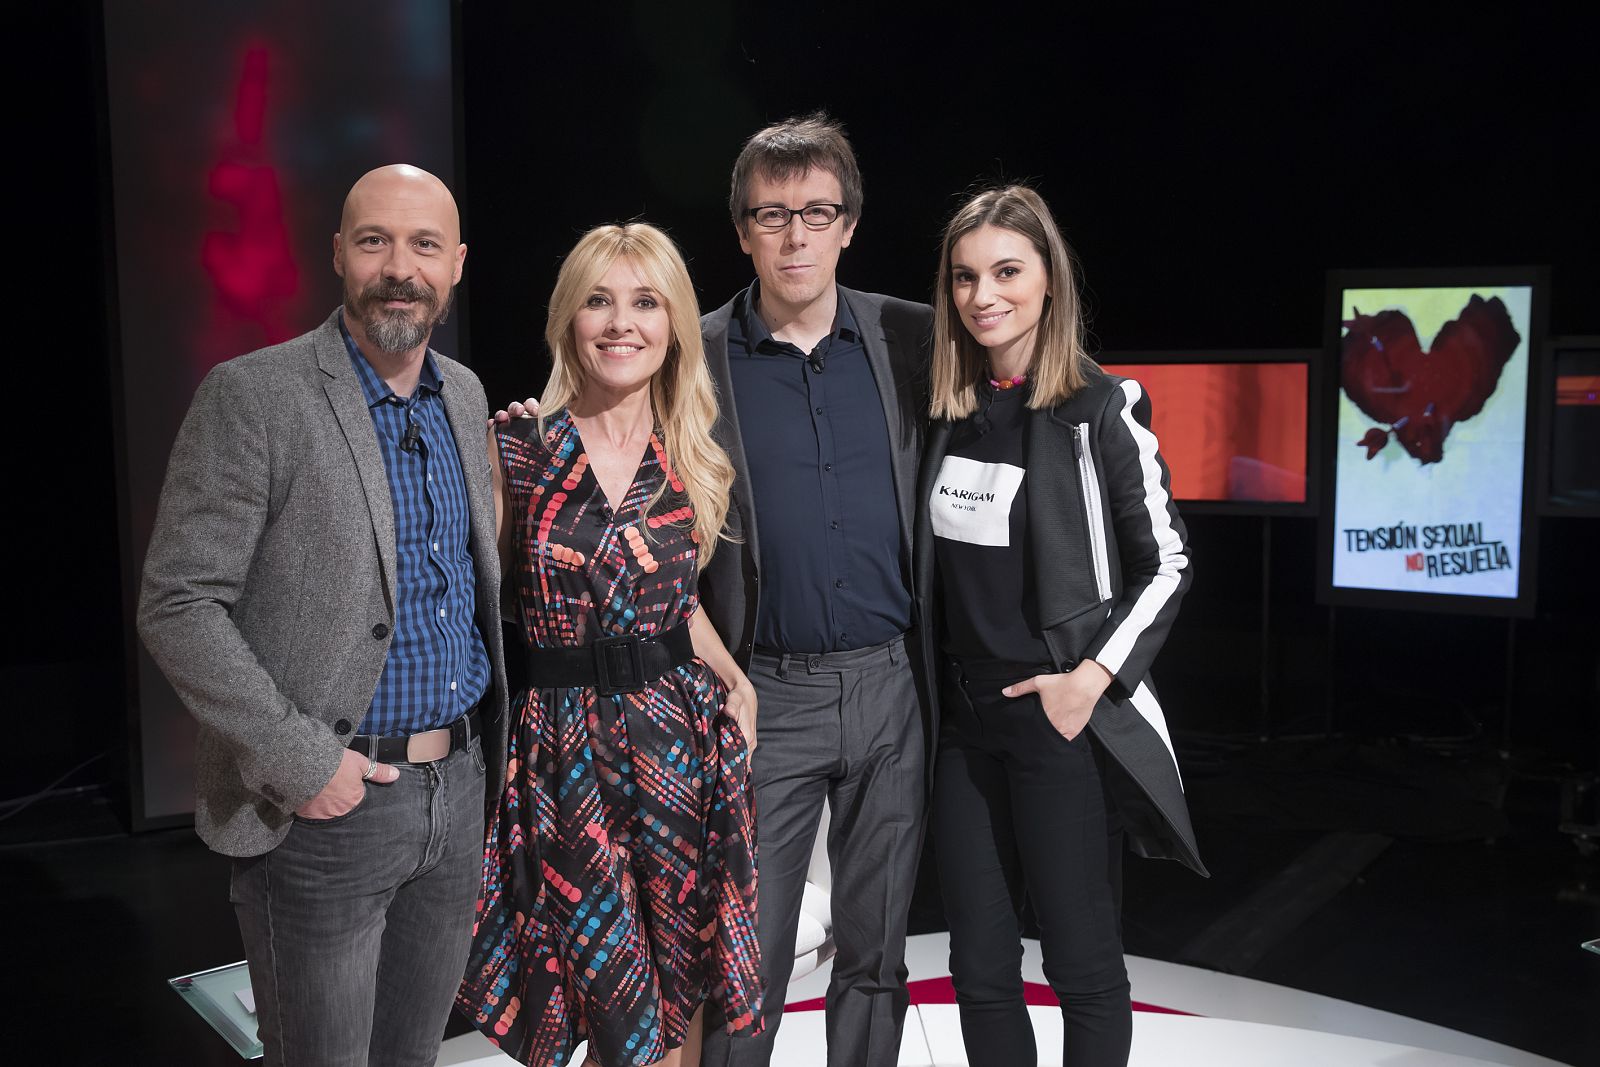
x=1093 y=512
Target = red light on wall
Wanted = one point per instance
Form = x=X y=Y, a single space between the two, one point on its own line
x=252 y=268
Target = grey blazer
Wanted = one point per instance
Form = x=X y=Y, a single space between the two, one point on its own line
x=268 y=595
x=896 y=334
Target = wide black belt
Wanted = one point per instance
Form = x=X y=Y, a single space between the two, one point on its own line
x=422 y=747
x=622 y=664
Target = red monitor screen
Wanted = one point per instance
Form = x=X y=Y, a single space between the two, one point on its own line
x=1229 y=431
x=1575 y=430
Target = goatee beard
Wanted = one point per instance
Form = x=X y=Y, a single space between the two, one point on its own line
x=397 y=330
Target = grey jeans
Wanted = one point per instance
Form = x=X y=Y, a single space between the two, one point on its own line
x=845 y=727
x=357 y=927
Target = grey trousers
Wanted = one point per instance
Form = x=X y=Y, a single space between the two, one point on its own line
x=357 y=928
x=844 y=727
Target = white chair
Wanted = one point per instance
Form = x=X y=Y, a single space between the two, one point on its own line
x=813 y=942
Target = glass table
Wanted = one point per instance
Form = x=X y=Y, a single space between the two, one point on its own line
x=222 y=997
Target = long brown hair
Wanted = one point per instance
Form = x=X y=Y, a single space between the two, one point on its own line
x=681 y=393
x=1057 y=366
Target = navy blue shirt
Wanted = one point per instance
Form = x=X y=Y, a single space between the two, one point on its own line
x=438 y=667
x=817 y=443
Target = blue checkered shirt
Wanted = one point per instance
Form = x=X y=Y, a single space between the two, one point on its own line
x=438 y=666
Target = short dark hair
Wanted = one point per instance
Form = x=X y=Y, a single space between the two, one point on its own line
x=789 y=149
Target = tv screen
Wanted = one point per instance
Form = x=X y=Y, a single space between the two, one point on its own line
x=1231 y=429
x=1430 y=483
x=1574 y=481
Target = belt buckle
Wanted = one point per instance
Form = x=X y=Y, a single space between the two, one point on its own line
x=428 y=746
x=618 y=665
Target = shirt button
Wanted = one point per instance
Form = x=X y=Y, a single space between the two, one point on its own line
x=827 y=466
x=819 y=411
x=452 y=687
x=834 y=525
x=380 y=631
x=436 y=546
x=838 y=583
x=430 y=477
x=441 y=613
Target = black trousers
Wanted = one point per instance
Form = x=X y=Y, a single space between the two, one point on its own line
x=1019 y=809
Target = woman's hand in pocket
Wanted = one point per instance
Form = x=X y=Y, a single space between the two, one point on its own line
x=741 y=704
x=1068 y=699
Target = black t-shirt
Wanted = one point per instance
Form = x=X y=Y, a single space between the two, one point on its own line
x=980 y=526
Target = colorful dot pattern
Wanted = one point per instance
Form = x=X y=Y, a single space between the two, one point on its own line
x=619 y=878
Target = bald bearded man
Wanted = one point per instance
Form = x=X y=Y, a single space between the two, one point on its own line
x=321 y=590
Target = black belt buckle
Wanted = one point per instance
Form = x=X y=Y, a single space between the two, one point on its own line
x=619 y=665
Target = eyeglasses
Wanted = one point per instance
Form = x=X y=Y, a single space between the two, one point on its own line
x=813 y=216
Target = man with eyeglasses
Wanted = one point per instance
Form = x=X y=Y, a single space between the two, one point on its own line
x=824 y=397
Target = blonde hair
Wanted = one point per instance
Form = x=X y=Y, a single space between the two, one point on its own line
x=1058 y=366
x=682 y=397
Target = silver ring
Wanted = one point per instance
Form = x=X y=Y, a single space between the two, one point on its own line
x=372 y=768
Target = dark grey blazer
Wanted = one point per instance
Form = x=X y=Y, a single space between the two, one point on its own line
x=896 y=335
x=268 y=595
x=1112 y=561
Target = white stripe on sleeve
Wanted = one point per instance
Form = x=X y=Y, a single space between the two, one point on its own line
x=1168 y=544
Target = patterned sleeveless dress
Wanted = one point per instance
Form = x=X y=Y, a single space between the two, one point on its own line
x=619 y=874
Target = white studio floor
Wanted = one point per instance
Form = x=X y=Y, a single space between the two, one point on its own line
x=1188 y=1016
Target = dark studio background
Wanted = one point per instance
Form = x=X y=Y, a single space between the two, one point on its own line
x=1208 y=171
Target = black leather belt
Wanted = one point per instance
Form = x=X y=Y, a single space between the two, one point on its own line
x=424 y=747
x=622 y=664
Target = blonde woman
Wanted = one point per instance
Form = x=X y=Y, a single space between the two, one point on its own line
x=619 y=880
x=1052 y=560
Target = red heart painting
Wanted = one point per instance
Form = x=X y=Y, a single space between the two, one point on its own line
x=1420 y=395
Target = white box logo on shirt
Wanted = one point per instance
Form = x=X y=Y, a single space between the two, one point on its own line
x=971 y=501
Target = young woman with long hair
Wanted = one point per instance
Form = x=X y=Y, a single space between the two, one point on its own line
x=1052 y=560
x=619 y=879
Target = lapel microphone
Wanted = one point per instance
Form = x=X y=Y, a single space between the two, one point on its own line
x=413 y=434
x=819 y=354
